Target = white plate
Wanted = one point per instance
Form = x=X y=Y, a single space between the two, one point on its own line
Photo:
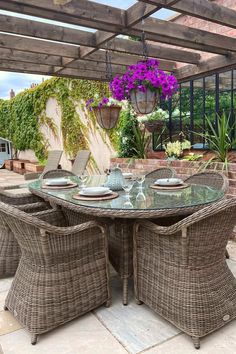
x=93 y=191
x=168 y=182
x=127 y=174
x=58 y=182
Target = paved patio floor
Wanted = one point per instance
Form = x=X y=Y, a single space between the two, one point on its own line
x=115 y=330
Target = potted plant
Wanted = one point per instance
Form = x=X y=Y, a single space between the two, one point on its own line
x=174 y=150
x=106 y=110
x=143 y=84
x=156 y=120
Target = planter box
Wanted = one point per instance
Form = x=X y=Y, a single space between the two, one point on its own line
x=33 y=167
x=19 y=166
x=8 y=165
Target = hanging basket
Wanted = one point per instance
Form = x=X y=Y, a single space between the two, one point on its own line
x=154 y=126
x=144 y=102
x=107 y=117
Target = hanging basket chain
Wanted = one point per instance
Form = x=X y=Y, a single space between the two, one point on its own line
x=144 y=43
x=109 y=75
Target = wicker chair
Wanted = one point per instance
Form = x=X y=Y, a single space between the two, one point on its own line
x=63 y=271
x=56 y=174
x=163 y=172
x=211 y=179
x=53 y=160
x=80 y=162
x=9 y=249
x=180 y=271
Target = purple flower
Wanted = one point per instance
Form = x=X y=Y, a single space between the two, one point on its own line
x=145 y=74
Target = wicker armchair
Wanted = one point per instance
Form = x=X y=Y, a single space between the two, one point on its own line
x=9 y=249
x=180 y=271
x=163 y=172
x=211 y=179
x=63 y=271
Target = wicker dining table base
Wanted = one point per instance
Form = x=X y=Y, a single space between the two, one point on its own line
x=120 y=241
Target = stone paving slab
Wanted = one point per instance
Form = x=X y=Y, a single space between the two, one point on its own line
x=85 y=335
x=5 y=284
x=222 y=341
x=8 y=323
x=135 y=326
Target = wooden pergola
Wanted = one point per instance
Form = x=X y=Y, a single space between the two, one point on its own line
x=30 y=46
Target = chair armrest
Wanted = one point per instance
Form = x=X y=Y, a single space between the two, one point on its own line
x=186 y=222
x=34 y=208
x=31 y=175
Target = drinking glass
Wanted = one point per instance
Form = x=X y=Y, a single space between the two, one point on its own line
x=140 y=178
x=127 y=186
x=84 y=179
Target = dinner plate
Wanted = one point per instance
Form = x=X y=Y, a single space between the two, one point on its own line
x=94 y=195
x=168 y=182
x=57 y=182
x=95 y=191
x=127 y=175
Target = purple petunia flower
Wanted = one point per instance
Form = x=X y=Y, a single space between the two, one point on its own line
x=145 y=74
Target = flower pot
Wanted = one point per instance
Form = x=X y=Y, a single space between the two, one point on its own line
x=107 y=117
x=154 y=126
x=144 y=102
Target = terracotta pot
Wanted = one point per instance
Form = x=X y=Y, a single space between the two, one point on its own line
x=154 y=126
x=144 y=102
x=107 y=117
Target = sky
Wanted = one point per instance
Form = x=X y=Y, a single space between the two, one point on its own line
x=18 y=82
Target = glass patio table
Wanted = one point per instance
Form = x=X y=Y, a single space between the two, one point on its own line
x=120 y=215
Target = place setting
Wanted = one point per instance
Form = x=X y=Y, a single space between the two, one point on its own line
x=169 y=184
x=58 y=183
x=95 y=193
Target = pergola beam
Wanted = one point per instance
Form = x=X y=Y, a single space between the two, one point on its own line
x=203 y=9
x=206 y=67
x=127 y=59
x=36 y=29
x=155 y=51
x=50 y=70
x=134 y=14
x=175 y=34
x=114 y=20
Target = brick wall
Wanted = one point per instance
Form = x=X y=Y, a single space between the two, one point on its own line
x=183 y=168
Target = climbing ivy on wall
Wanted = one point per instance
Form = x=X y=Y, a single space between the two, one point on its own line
x=22 y=117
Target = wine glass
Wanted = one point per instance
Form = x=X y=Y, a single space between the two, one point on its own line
x=140 y=178
x=127 y=186
x=84 y=179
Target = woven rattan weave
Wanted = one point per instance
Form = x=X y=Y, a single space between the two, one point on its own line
x=63 y=270
x=181 y=272
x=212 y=179
x=9 y=249
x=163 y=172
x=121 y=219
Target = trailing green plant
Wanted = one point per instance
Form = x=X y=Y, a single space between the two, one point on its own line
x=218 y=138
x=126 y=144
x=22 y=118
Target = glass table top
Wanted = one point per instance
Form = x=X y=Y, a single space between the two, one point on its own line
x=140 y=199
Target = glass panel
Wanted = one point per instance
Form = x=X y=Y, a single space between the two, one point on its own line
x=225 y=81
x=187 y=197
